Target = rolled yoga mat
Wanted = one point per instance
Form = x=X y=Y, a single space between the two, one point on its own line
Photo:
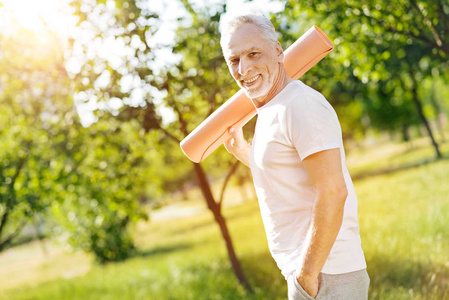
x=308 y=50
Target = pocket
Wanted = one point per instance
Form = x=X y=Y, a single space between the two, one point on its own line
x=296 y=291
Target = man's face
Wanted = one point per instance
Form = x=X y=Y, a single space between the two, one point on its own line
x=252 y=61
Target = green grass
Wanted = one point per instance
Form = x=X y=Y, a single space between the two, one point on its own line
x=403 y=217
x=182 y=259
x=405 y=234
x=392 y=156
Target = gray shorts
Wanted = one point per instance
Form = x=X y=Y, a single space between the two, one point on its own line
x=347 y=286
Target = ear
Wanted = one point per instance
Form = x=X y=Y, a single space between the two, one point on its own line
x=279 y=52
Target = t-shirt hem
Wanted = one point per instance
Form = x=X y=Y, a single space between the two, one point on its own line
x=318 y=149
x=345 y=271
x=344 y=266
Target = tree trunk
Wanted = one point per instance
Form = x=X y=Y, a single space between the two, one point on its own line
x=225 y=184
x=405 y=133
x=4 y=220
x=39 y=236
x=215 y=208
x=10 y=199
x=422 y=116
x=438 y=111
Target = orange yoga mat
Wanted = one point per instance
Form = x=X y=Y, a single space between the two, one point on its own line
x=308 y=50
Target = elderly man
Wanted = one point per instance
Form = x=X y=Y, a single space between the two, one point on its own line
x=306 y=196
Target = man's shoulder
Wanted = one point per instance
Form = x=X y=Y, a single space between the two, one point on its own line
x=307 y=89
x=295 y=90
x=300 y=94
x=304 y=101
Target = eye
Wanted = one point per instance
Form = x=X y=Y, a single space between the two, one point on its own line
x=253 y=54
x=233 y=61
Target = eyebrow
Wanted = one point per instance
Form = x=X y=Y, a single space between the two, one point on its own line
x=237 y=54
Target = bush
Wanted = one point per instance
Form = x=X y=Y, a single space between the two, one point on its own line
x=111 y=242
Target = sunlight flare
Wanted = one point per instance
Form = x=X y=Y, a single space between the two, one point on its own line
x=36 y=16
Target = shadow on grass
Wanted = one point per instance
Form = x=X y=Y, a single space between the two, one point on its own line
x=389 y=170
x=161 y=250
x=193 y=227
x=390 y=276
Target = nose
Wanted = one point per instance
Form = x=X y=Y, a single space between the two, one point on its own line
x=244 y=66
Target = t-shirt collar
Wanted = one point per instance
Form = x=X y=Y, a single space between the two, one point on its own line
x=278 y=97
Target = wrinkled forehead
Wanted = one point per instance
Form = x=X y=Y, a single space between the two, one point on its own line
x=245 y=37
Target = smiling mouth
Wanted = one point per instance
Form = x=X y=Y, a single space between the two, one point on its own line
x=251 y=80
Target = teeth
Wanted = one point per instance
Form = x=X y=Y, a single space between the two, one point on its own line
x=251 y=80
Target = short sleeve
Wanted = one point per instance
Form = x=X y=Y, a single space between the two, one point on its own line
x=312 y=125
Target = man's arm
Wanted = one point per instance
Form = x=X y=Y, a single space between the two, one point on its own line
x=237 y=145
x=325 y=171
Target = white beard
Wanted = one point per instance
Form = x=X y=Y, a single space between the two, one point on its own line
x=264 y=88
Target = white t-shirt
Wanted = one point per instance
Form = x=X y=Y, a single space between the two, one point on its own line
x=293 y=125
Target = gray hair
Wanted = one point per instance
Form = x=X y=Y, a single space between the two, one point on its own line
x=236 y=22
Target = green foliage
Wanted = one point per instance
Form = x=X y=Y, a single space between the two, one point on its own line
x=379 y=47
x=101 y=199
x=31 y=116
x=89 y=181
x=188 y=90
x=135 y=24
x=108 y=239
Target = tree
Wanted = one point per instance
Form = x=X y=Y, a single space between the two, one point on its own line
x=194 y=87
x=89 y=179
x=374 y=37
x=110 y=166
x=421 y=22
x=35 y=106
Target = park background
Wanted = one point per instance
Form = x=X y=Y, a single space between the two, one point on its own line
x=97 y=200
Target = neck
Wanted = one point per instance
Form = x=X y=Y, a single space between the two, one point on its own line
x=281 y=81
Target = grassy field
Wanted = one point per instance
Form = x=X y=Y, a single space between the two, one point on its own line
x=403 y=217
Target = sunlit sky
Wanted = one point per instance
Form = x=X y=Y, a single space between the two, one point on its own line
x=55 y=16
x=36 y=15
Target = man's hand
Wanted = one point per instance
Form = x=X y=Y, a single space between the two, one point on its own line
x=237 y=145
x=310 y=284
